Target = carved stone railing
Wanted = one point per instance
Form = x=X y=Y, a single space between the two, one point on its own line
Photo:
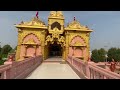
x=20 y=69
x=90 y=70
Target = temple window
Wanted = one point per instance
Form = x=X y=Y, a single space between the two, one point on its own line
x=56 y=24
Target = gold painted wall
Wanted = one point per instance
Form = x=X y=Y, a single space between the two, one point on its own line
x=47 y=36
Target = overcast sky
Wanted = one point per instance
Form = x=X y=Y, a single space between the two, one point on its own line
x=106 y=25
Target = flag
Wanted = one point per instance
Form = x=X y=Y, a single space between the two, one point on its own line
x=37 y=14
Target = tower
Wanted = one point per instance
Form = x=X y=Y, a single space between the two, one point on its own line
x=56 y=20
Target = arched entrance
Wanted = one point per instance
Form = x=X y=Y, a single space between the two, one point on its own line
x=55 y=50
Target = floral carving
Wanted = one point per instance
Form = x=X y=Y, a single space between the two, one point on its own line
x=56 y=14
x=74 y=24
x=53 y=13
x=34 y=22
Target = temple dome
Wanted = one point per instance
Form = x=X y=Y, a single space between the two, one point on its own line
x=34 y=22
x=76 y=25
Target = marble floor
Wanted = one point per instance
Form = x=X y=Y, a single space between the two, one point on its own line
x=53 y=70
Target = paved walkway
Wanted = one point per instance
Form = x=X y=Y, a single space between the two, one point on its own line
x=53 y=70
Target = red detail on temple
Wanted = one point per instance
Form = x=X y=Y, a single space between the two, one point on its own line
x=74 y=18
x=37 y=14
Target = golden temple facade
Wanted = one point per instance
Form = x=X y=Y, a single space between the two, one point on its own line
x=36 y=38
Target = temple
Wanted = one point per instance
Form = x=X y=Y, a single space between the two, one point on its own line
x=55 y=39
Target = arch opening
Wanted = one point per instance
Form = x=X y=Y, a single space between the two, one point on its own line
x=55 y=50
x=56 y=24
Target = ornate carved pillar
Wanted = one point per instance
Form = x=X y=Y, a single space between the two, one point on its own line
x=43 y=53
x=73 y=51
x=67 y=45
x=36 y=50
x=66 y=52
x=25 y=53
x=18 y=45
x=82 y=51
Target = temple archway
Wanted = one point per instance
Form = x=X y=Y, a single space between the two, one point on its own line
x=30 y=46
x=56 y=24
x=77 y=47
x=55 y=50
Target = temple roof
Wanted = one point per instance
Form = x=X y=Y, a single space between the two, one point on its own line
x=34 y=22
x=75 y=25
x=56 y=14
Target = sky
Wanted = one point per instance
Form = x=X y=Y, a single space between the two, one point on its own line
x=105 y=25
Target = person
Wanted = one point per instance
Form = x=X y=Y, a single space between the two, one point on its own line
x=112 y=66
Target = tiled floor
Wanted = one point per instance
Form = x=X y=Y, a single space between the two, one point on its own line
x=53 y=70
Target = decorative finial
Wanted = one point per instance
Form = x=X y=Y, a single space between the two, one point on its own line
x=37 y=14
x=22 y=22
x=74 y=18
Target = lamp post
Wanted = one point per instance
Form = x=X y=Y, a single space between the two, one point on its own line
x=105 y=57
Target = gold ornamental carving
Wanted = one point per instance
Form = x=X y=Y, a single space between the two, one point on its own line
x=30 y=42
x=47 y=36
x=56 y=14
x=74 y=24
x=55 y=37
x=34 y=22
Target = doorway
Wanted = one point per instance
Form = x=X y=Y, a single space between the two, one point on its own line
x=55 y=50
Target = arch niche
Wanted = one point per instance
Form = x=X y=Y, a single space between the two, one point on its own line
x=78 y=47
x=56 y=24
x=31 y=46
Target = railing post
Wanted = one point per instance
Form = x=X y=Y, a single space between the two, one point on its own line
x=4 y=75
x=87 y=70
x=72 y=60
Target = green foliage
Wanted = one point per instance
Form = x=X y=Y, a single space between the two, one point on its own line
x=1 y=61
x=114 y=53
x=0 y=57
x=0 y=49
x=6 y=49
x=4 y=55
x=98 y=55
x=12 y=51
x=15 y=48
x=102 y=54
x=95 y=56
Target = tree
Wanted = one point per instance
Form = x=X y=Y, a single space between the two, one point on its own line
x=95 y=56
x=0 y=50
x=15 y=48
x=114 y=53
x=6 y=49
x=102 y=54
x=98 y=55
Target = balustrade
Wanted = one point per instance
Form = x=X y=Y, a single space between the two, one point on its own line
x=91 y=71
x=19 y=69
